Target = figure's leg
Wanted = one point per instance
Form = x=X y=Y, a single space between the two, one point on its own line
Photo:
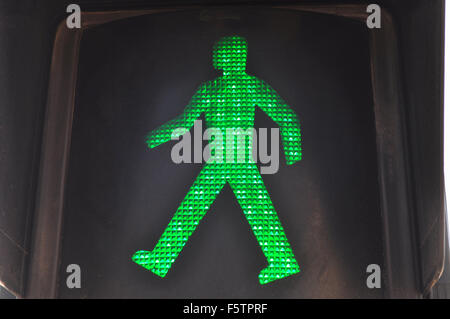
x=255 y=201
x=194 y=206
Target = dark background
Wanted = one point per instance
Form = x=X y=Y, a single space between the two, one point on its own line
x=27 y=32
x=138 y=73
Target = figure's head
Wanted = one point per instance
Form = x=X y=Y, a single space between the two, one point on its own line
x=230 y=54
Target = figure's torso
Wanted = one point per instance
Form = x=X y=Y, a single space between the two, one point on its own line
x=232 y=102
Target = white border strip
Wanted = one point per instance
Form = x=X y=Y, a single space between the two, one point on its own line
x=447 y=110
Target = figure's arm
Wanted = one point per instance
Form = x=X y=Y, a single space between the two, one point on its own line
x=281 y=113
x=180 y=124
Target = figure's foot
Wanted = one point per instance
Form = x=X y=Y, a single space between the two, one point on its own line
x=159 y=266
x=278 y=270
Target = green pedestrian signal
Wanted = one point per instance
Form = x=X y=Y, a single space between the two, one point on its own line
x=229 y=102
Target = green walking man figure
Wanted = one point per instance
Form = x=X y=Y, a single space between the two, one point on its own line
x=229 y=102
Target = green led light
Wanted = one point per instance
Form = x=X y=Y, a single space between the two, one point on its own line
x=229 y=103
